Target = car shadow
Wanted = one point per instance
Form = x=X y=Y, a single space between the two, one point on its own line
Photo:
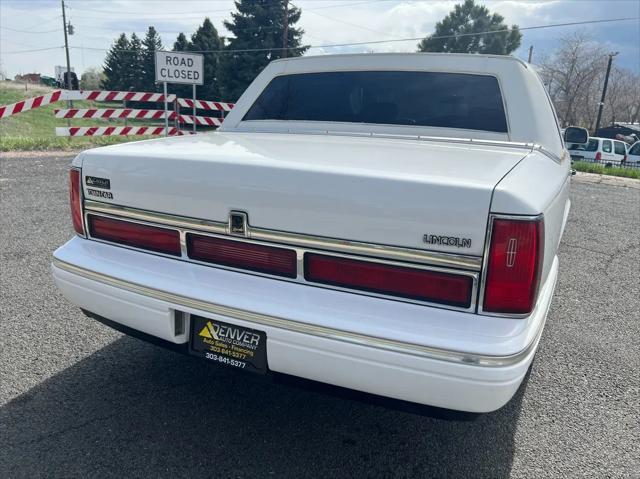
x=132 y=409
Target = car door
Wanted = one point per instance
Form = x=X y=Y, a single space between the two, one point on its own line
x=607 y=151
x=619 y=151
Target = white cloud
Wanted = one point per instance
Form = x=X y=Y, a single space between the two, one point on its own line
x=98 y=23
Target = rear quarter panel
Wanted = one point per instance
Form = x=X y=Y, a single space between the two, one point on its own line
x=538 y=185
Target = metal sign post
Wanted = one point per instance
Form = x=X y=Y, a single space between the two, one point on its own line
x=179 y=67
x=194 y=108
x=166 y=111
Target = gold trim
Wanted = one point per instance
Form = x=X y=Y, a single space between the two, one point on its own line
x=449 y=260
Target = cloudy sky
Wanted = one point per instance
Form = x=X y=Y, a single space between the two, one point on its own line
x=30 y=25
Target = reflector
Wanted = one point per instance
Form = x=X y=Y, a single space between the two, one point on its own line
x=423 y=285
x=514 y=265
x=156 y=239
x=238 y=254
x=75 y=201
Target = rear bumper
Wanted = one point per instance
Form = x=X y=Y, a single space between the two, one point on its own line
x=425 y=355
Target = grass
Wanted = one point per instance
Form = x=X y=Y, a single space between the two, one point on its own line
x=603 y=170
x=35 y=129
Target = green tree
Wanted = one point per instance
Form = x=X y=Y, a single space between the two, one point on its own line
x=133 y=72
x=257 y=25
x=181 y=44
x=465 y=20
x=183 y=91
x=207 y=41
x=115 y=64
x=150 y=45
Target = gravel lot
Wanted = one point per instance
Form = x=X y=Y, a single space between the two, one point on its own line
x=80 y=400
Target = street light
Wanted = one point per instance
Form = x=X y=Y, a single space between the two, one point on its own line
x=604 y=92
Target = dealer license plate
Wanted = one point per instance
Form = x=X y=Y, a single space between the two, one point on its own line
x=228 y=344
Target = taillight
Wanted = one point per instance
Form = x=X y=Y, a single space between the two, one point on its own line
x=514 y=265
x=237 y=254
x=412 y=283
x=75 y=199
x=160 y=240
x=598 y=156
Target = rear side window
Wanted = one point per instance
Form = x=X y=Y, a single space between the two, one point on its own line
x=606 y=146
x=635 y=149
x=619 y=148
x=446 y=100
x=592 y=145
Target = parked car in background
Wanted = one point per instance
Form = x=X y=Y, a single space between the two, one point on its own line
x=599 y=150
x=633 y=157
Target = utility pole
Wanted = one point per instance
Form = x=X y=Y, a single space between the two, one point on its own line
x=285 y=33
x=530 y=54
x=66 y=49
x=604 y=92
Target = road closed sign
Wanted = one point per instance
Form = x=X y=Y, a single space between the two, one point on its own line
x=179 y=67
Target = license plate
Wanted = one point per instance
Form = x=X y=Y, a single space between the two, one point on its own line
x=229 y=345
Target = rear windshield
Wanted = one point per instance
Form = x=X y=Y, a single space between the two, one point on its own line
x=591 y=146
x=447 y=100
x=635 y=149
x=619 y=148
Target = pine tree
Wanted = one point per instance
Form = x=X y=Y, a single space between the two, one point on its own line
x=183 y=91
x=472 y=18
x=181 y=44
x=134 y=70
x=207 y=41
x=115 y=64
x=150 y=45
x=258 y=24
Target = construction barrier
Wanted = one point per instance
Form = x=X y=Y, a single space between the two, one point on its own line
x=200 y=120
x=98 y=95
x=122 y=113
x=113 y=113
x=30 y=104
x=205 y=104
x=115 y=130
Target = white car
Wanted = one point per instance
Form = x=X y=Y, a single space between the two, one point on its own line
x=633 y=157
x=600 y=150
x=386 y=223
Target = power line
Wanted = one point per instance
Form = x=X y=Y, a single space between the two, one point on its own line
x=343 y=21
x=372 y=42
x=27 y=31
x=34 y=50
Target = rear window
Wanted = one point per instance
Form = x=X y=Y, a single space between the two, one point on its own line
x=619 y=148
x=635 y=149
x=592 y=145
x=446 y=100
x=606 y=146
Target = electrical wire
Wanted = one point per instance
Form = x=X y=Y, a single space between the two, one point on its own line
x=372 y=42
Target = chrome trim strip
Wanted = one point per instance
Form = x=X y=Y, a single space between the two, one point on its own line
x=451 y=260
x=300 y=264
x=485 y=262
x=303 y=328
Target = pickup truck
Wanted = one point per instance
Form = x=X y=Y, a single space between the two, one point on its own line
x=386 y=223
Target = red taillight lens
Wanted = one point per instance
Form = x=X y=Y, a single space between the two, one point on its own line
x=75 y=200
x=514 y=266
x=412 y=283
x=598 y=156
x=236 y=254
x=156 y=239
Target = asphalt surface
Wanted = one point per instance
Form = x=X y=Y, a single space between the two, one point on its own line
x=80 y=400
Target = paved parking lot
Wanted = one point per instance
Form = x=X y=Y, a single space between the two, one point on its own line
x=80 y=400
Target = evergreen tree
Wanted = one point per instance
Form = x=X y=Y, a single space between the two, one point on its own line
x=133 y=78
x=183 y=91
x=181 y=44
x=471 y=18
x=150 y=45
x=207 y=41
x=257 y=24
x=115 y=64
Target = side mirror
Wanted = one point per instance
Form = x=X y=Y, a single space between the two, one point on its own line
x=575 y=134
